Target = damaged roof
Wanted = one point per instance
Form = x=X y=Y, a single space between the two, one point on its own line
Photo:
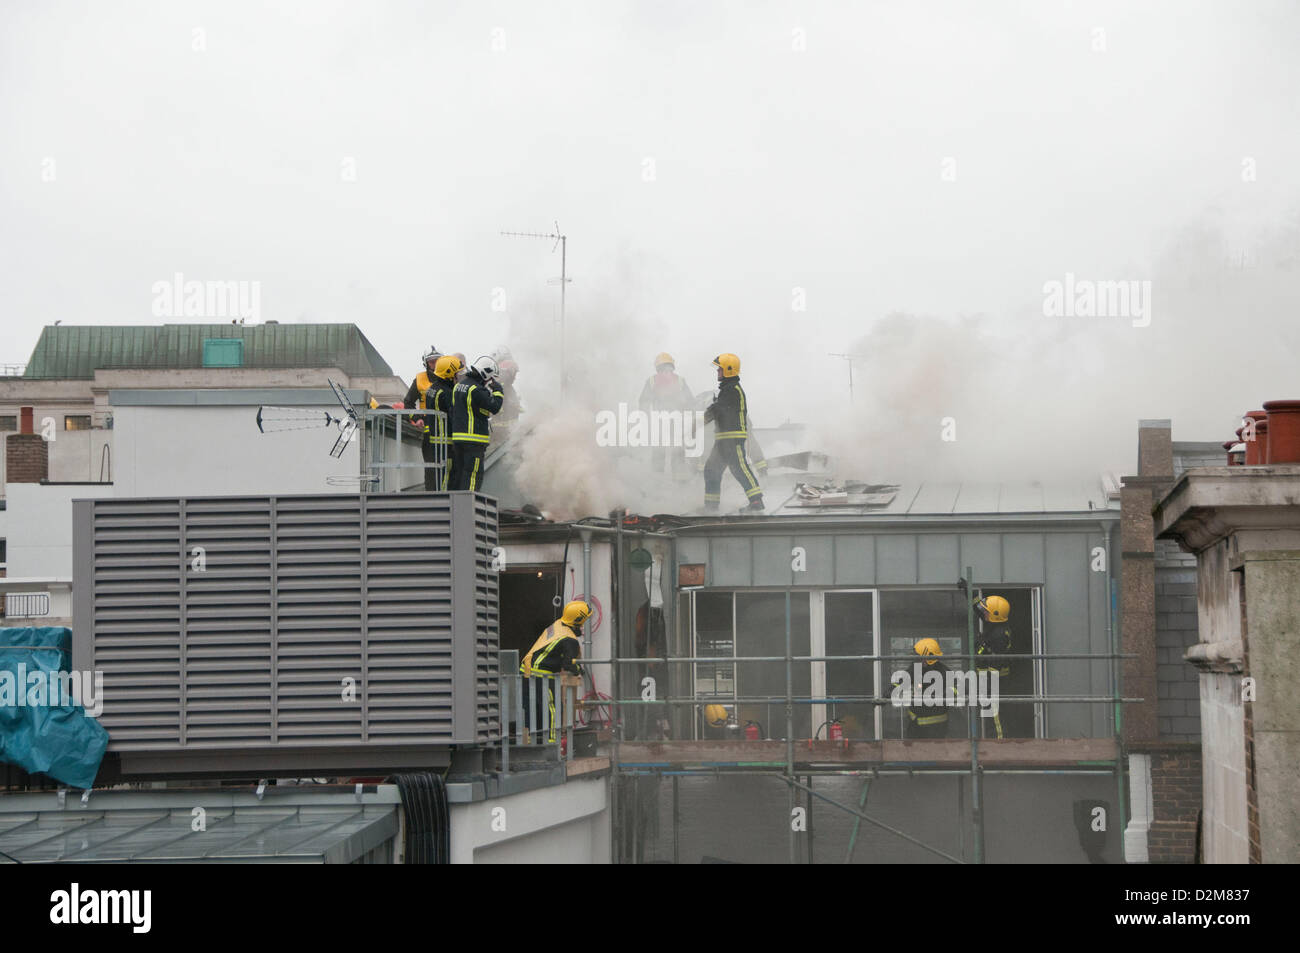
x=941 y=499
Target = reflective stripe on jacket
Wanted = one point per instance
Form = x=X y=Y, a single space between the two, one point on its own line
x=472 y=407
x=543 y=657
x=728 y=412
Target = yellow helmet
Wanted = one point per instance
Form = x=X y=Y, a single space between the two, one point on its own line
x=716 y=715
x=576 y=613
x=928 y=647
x=447 y=367
x=662 y=358
x=996 y=608
x=729 y=363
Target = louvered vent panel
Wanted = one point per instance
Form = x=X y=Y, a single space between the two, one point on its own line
x=135 y=611
x=247 y=623
x=227 y=614
x=409 y=616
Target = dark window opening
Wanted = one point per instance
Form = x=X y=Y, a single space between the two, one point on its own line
x=527 y=599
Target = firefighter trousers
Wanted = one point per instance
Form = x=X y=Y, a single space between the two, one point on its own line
x=466 y=465
x=728 y=454
x=539 y=707
x=437 y=466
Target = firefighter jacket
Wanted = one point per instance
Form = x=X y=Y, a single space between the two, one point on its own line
x=666 y=391
x=473 y=402
x=728 y=411
x=994 y=639
x=932 y=712
x=557 y=649
x=431 y=393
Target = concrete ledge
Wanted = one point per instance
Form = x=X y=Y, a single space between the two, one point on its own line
x=1208 y=503
x=586 y=767
x=1226 y=657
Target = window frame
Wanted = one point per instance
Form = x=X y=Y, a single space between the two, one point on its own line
x=817 y=644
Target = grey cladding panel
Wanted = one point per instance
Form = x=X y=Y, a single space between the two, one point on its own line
x=241 y=623
x=937 y=557
x=896 y=558
x=855 y=560
x=729 y=563
x=772 y=561
x=1022 y=557
x=819 y=559
x=983 y=554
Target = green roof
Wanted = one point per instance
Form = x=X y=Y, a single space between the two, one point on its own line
x=76 y=352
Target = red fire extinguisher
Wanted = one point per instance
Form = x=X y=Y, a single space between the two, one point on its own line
x=835 y=731
x=753 y=731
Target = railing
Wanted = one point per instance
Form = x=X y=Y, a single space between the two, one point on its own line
x=731 y=701
x=544 y=718
x=26 y=605
x=381 y=435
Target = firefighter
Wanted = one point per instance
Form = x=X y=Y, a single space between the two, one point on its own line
x=994 y=639
x=438 y=401
x=666 y=390
x=929 y=719
x=556 y=650
x=415 y=399
x=473 y=403
x=730 y=417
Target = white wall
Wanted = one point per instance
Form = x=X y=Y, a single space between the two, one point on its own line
x=564 y=824
x=218 y=451
x=38 y=527
x=78 y=455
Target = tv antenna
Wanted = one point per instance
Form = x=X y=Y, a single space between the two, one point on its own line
x=850 y=358
x=562 y=241
x=271 y=419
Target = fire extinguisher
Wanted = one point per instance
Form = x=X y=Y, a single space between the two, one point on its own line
x=835 y=731
x=753 y=731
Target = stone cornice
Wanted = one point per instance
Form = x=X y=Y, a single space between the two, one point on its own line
x=1208 y=503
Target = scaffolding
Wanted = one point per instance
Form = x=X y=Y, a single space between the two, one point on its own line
x=867 y=759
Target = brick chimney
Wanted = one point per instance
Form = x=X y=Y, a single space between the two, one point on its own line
x=27 y=455
x=1137 y=580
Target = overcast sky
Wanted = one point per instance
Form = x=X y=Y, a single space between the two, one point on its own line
x=716 y=167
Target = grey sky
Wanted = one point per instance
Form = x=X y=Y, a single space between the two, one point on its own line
x=774 y=168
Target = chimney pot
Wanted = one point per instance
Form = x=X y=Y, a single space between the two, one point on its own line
x=1283 y=431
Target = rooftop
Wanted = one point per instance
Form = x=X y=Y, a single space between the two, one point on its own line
x=75 y=352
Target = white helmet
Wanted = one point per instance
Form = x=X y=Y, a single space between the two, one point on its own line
x=432 y=354
x=485 y=366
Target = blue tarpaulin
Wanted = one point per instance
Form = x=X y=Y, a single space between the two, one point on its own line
x=43 y=728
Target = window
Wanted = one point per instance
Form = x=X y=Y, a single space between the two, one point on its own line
x=850 y=630
x=908 y=615
x=730 y=625
x=76 y=421
x=223 y=352
x=8 y=422
x=760 y=630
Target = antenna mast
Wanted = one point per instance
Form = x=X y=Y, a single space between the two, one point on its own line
x=562 y=241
